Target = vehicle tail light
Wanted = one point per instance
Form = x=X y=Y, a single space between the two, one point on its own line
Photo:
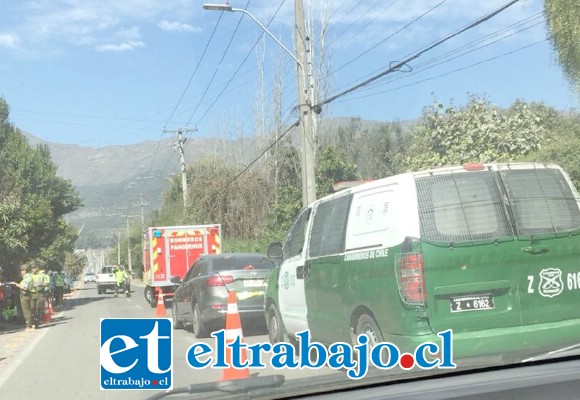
x=412 y=279
x=219 y=280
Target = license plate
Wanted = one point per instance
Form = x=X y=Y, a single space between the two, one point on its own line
x=472 y=303
x=253 y=283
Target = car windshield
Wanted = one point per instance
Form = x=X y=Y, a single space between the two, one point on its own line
x=325 y=194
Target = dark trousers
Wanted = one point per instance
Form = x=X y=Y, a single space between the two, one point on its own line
x=58 y=295
x=37 y=307
x=26 y=304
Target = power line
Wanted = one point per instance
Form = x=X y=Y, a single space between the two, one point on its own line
x=239 y=66
x=385 y=39
x=195 y=70
x=265 y=151
x=398 y=65
x=218 y=67
x=455 y=70
x=467 y=49
x=377 y=15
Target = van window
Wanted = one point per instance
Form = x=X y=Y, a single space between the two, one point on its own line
x=542 y=201
x=295 y=239
x=461 y=207
x=374 y=219
x=328 y=228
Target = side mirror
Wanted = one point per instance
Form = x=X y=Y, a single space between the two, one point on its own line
x=175 y=279
x=275 y=251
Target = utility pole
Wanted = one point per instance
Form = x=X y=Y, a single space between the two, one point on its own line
x=308 y=162
x=179 y=145
x=129 y=248
x=142 y=204
x=118 y=248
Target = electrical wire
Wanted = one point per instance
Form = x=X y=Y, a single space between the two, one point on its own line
x=454 y=71
x=219 y=64
x=264 y=152
x=445 y=58
x=385 y=39
x=239 y=66
x=398 y=65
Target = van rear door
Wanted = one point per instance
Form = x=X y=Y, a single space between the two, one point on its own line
x=547 y=220
x=471 y=260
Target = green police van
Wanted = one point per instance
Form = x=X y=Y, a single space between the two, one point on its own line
x=491 y=251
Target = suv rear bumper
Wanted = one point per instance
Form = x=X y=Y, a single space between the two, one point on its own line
x=514 y=343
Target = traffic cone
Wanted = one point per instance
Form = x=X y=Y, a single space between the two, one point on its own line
x=160 y=310
x=46 y=318
x=52 y=312
x=233 y=331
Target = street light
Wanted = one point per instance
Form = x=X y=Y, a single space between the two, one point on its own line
x=306 y=123
x=227 y=7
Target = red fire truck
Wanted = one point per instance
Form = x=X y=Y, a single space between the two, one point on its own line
x=170 y=252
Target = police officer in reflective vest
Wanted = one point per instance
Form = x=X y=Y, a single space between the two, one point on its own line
x=121 y=278
x=26 y=286
x=40 y=286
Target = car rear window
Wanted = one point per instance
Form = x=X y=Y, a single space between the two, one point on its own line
x=233 y=263
x=461 y=207
x=542 y=201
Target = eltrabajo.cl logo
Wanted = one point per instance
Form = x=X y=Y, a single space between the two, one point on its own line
x=136 y=353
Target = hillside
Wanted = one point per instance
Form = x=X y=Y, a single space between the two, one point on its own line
x=112 y=180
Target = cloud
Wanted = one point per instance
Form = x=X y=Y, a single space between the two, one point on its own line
x=178 y=27
x=127 y=46
x=9 y=40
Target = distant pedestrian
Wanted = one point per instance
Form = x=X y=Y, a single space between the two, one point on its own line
x=58 y=288
x=121 y=280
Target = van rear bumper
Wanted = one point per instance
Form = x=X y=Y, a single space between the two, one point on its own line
x=504 y=344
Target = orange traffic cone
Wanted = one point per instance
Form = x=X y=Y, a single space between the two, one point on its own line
x=52 y=312
x=233 y=331
x=46 y=318
x=160 y=310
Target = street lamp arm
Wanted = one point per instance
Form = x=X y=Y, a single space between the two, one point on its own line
x=271 y=35
x=227 y=7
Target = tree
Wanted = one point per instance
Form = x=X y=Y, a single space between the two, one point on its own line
x=479 y=132
x=562 y=17
x=33 y=201
x=563 y=150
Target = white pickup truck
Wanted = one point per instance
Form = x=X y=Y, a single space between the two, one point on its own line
x=106 y=279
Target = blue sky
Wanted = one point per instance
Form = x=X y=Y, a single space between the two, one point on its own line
x=103 y=72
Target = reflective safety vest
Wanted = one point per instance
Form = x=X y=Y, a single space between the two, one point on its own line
x=58 y=280
x=27 y=281
x=120 y=276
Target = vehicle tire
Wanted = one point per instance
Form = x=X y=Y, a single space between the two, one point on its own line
x=177 y=324
x=150 y=297
x=368 y=326
x=199 y=329
x=99 y=290
x=276 y=331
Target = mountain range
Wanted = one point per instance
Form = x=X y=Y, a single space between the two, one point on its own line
x=117 y=181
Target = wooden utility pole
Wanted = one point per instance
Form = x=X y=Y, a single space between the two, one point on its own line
x=308 y=161
x=179 y=145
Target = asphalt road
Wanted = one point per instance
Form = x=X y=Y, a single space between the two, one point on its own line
x=60 y=360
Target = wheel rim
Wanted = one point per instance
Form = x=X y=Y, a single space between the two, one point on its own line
x=371 y=334
x=195 y=321
x=174 y=313
x=273 y=329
